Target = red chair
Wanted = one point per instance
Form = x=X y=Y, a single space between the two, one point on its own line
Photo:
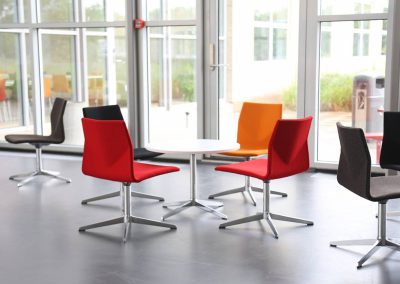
x=108 y=154
x=287 y=156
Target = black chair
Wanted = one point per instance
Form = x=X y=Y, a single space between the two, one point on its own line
x=57 y=136
x=113 y=112
x=354 y=173
x=390 y=151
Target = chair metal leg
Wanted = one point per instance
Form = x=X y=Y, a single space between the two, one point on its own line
x=119 y=220
x=180 y=208
x=247 y=188
x=372 y=250
x=380 y=241
x=56 y=176
x=212 y=210
x=227 y=192
x=101 y=197
x=127 y=218
x=364 y=242
x=266 y=215
x=148 y=196
x=274 y=192
x=271 y=225
x=252 y=218
x=145 y=221
x=21 y=176
x=38 y=172
x=27 y=180
x=290 y=219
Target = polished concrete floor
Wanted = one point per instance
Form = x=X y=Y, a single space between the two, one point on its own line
x=40 y=242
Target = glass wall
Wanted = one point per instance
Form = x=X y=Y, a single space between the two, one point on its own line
x=84 y=65
x=351 y=76
x=258 y=54
x=172 y=77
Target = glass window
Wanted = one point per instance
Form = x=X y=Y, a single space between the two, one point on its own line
x=172 y=80
x=350 y=88
x=279 y=43
x=56 y=11
x=8 y=11
x=171 y=10
x=261 y=44
x=15 y=106
x=103 y=10
x=59 y=68
x=339 y=7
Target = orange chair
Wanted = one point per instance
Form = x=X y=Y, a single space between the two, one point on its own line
x=47 y=91
x=256 y=124
x=61 y=85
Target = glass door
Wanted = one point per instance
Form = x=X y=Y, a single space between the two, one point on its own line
x=350 y=73
x=254 y=56
x=172 y=55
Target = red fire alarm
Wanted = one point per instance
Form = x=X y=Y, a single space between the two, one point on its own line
x=138 y=24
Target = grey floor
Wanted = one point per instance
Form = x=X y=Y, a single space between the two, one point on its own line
x=40 y=242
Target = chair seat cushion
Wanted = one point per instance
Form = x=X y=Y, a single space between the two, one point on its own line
x=255 y=168
x=32 y=139
x=144 y=171
x=246 y=152
x=384 y=188
x=144 y=154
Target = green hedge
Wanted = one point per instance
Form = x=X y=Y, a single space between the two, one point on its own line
x=335 y=93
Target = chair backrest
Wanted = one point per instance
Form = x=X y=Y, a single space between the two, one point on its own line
x=111 y=112
x=56 y=119
x=256 y=124
x=288 y=148
x=355 y=161
x=107 y=151
x=390 y=154
x=3 y=93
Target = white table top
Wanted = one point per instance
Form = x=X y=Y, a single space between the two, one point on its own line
x=195 y=146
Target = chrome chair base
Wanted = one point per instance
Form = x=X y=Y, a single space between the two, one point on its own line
x=247 y=188
x=266 y=215
x=206 y=205
x=26 y=178
x=127 y=218
x=376 y=244
x=380 y=241
x=117 y=193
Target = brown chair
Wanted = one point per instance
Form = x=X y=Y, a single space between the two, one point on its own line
x=354 y=173
x=38 y=141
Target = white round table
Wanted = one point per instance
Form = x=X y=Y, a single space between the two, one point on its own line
x=193 y=147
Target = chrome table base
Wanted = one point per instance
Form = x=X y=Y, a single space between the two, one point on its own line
x=246 y=188
x=127 y=218
x=26 y=178
x=266 y=215
x=380 y=241
x=206 y=205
